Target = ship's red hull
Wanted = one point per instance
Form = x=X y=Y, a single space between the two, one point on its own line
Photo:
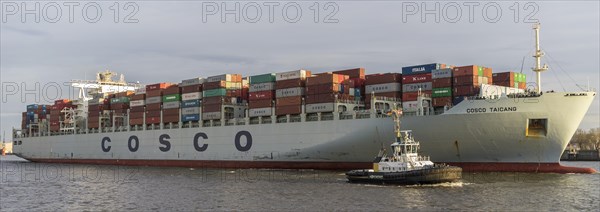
x=467 y=167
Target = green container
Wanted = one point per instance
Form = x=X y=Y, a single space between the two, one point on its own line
x=524 y=78
x=171 y=98
x=119 y=100
x=441 y=92
x=214 y=92
x=479 y=71
x=262 y=78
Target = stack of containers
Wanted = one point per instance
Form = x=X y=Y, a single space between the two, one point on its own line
x=383 y=85
x=290 y=91
x=34 y=114
x=261 y=94
x=441 y=93
x=154 y=102
x=467 y=81
x=220 y=90
x=191 y=97
x=56 y=115
x=171 y=102
x=417 y=79
x=322 y=91
x=355 y=86
x=510 y=79
x=119 y=104
x=137 y=107
x=24 y=122
x=95 y=107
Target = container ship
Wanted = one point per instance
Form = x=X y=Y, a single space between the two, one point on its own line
x=467 y=116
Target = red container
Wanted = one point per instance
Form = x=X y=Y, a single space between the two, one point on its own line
x=352 y=73
x=412 y=96
x=356 y=82
x=471 y=70
x=140 y=96
x=442 y=82
x=466 y=80
x=191 y=89
x=321 y=98
x=260 y=103
x=442 y=101
x=137 y=121
x=260 y=95
x=417 y=78
x=285 y=110
x=291 y=83
x=322 y=88
x=61 y=101
x=174 y=89
x=170 y=112
x=287 y=101
x=136 y=115
x=171 y=119
x=154 y=93
x=522 y=85
x=214 y=85
x=137 y=109
x=373 y=79
x=117 y=106
x=152 y=120
x=155 y=106
x=153 y=113
x=158 y=86
x=466 y=90
x=207 y=108
x=504 y=77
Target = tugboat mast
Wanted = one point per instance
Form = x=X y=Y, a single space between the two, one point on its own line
x=538 y=58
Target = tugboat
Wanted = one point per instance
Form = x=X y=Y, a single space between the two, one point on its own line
x=405 y=166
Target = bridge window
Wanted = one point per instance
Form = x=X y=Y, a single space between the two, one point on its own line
x=537 y=127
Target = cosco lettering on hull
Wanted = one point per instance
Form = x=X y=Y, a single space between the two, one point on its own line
x=164 y=145
x=491 y=109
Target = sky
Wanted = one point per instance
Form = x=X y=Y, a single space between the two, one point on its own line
x=167 y=41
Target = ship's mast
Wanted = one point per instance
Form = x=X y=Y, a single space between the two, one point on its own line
x=538 y=58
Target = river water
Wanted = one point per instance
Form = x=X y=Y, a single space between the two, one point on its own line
x=28 y=186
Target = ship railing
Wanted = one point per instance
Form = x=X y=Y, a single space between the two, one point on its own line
x=363 y=115
x=326 y=116
x=295 y=119
x=345 y=116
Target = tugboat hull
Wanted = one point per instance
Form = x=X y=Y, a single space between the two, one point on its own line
x=422 y=176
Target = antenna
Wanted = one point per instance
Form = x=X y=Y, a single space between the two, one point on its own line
x=538 y=69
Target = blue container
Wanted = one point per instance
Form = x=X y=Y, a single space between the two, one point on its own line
x=357 y=92
x=32 y=107
x=30 y=113
x=191 y=117
x=420 y=69
x=190 y=103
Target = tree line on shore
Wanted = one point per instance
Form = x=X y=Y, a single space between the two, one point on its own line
x=586 y=140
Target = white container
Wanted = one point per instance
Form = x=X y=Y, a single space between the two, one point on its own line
x=233 y=85
x=320 y=107
x=424 y=86
x=137 y=103
x=267 y=86
x=410 y=105
x=171 y=105
x=222 y=77
x=265 y=111
x=193 y=81
x=290 y=75
x=191 y=96
x=481 y=80
x=154 y=100
x=211 y=115
x=297 y=91
x=383 y=88
x=441 y=73
x=190 y=111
